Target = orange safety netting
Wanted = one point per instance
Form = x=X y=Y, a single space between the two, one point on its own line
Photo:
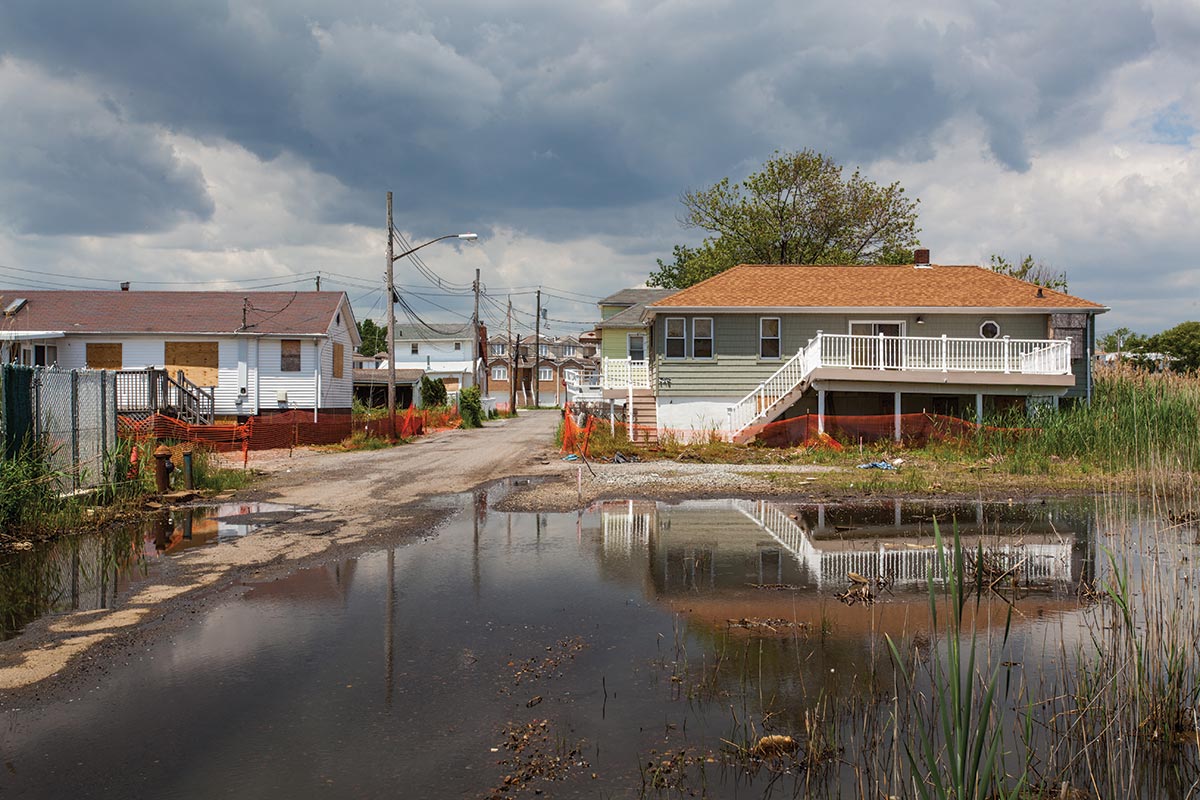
x=916 y=430
x=288 y=429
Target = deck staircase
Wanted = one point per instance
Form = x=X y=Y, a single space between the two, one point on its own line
x=776 y=394
x=141 y=393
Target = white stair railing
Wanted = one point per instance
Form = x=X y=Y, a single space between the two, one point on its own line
x=775 y=388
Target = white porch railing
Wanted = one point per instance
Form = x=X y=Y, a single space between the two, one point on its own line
x=904 y=354
x=946 y=354
x=625 y=373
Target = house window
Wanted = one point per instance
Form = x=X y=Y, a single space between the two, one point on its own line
x=416 y=348
x=676 y=337
x=497 y=349
x=458 y=345
x=543 y=349
x=637 y=347
x=499 y=373
x=339 y=359
x=545 y=373
x=289 y=355
x=768 y=337
x=569 y=350
x=989 y=329
x=45 y=355
x=702 y=337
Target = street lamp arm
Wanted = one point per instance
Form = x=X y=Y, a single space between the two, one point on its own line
x=467 y=236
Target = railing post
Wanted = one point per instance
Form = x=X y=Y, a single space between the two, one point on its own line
x=943 y=352
x=879 y=356
x=1007 y=368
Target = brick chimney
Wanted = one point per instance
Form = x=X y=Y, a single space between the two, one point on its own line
x=921 y=258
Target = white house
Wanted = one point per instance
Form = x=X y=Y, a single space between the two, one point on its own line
x=441 y=350
x=258 y=352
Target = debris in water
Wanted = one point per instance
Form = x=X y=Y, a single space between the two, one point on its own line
x=774 y=745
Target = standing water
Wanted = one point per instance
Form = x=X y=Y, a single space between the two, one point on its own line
x=724 y=648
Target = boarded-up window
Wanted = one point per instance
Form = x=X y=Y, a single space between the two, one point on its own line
x=289 y=355
x=103 y=355
x=197 y=361
x=339 y=357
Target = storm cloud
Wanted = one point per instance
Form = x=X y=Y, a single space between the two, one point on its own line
x=562 y=122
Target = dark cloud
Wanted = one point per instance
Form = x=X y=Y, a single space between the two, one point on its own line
x=70 y=164
x=507 y=113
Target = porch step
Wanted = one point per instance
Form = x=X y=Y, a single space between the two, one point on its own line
x=643 y=417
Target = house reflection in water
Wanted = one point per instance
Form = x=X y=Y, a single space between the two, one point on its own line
x=709 y=544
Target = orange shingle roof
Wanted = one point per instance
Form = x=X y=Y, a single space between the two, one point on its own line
x=780 y=286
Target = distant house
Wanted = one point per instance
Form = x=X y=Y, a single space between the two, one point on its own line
x=542 y=376
x=439 y=350
x=250 y=352
x=755 y=344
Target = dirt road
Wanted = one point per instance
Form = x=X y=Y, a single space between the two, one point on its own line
x=349 y=501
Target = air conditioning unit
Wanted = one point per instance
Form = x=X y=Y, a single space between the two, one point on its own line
x=281 y=395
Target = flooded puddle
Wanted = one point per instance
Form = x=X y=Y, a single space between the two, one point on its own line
x=706 y=649
x=90 y=571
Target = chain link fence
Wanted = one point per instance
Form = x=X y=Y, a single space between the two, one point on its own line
x=72 y=414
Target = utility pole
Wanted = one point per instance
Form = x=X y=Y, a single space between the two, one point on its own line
x=537 y=350
x=478 y=346
x=512 y=358
x=390 y=289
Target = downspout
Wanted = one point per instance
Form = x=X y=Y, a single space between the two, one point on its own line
x=1091 y=344
x=317 y=378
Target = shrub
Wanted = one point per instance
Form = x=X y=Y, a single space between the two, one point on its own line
x=470 y=407
x=433 y=392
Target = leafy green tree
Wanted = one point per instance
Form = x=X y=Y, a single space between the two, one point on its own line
x=1122 y=340
x=1181 y=343
x=1034 y=272
x=374 y=338
x=798 y=209
x=433 y=392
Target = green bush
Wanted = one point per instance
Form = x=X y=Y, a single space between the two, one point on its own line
x=433 y=392
x=27 y=489
x=470 y=407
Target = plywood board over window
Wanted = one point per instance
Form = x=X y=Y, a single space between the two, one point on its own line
x=339 y=358
x=103 y=355
x=197 y=360
x=289 y=355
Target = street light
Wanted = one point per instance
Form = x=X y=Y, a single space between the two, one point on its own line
x=390 y=288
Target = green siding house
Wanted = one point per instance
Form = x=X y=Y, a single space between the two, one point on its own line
x=757 y=344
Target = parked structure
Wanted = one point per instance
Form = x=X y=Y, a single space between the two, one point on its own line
x=756 y=344
x=234 y=353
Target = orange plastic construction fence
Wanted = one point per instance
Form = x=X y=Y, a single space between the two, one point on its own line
x=916 y=430
x=288 y=429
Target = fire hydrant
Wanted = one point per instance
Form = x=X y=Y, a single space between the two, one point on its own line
x=163 y=468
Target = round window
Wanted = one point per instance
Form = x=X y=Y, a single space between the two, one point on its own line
x=989 y=329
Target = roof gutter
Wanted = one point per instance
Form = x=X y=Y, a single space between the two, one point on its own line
x=652 y=310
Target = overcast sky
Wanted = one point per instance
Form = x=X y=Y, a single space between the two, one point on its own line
x=253 y=142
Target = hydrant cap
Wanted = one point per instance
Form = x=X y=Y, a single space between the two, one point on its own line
x=162 y=451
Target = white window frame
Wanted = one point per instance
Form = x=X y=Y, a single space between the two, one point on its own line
x=545 y=374
x=711 y=338
x=458 y=346
x=571 y=375
x=777 y=338
x=568 y=350
x=667 y=339
x=902 y=323
x=629 y=346
x=984 y=324
x=497 y=349
x=500 y=373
